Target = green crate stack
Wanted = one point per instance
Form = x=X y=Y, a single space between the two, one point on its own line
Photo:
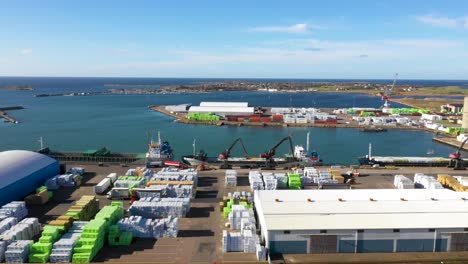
x=228 y=208
x=94 y=233
x=40 y=251
x=294 y=181
x=117 y=238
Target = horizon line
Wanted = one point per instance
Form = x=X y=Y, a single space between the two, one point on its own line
x=230 y=78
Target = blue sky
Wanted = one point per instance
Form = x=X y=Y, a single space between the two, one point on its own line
x=236 y=39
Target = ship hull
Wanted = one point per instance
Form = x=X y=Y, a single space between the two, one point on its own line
x=406 y=161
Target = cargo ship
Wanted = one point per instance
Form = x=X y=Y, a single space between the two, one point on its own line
x=158 y=153
x=297 y=156
x=370 y=160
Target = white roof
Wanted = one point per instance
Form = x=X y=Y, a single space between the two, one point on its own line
x=421 y=208
x=233 y=104
x=16 y=164
x=221 y=109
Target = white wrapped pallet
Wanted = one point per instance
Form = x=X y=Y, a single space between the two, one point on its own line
x=16 y=209
x=250 y=239
x=62 y=250
x=102 y=186
x=160 y=207
x=52 y=184
x=256 y=181
x=270 y=182
x=65 y=180
x=230 y=180
x=232 y=242
x=26 y=229
x=77 y=170
x=7 y=223
x=238 y=213
x=402 y=182
x=18 y=251
x=149 y=228
x=174 y=191
x=281 y=180
x=426 y=182
x=112 y=177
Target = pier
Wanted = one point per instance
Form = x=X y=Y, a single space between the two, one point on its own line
x=4 y=115
x=450 y=141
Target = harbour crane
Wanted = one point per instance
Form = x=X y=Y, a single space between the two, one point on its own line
x=456 y=162
x=386 y=94
x=226 y=154
x=272 y=152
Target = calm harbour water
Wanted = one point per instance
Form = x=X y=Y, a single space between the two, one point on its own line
x=120 y=122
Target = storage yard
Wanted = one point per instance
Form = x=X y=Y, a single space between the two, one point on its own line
x=181 y=216
x=240 y=114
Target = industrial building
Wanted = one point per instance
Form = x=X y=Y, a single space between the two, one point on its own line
x=177 y=108
x=362 y=221
x=223 y=108
x=21 y=172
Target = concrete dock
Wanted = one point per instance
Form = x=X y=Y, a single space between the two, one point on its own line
x=450 y=141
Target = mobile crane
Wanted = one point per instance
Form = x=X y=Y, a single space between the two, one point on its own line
x=456 y=162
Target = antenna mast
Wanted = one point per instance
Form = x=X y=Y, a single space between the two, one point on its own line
x=307 y=148
x=41 y=142
x=193 y=145
x=159 y=137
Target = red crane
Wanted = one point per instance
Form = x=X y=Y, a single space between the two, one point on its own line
x=456 y=162
x=226 y=154
x=271 y=152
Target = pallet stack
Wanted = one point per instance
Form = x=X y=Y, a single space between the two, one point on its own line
x=402 y=182
x=63 y=249
x=14 y=209
x=26 y=229
x=84 y=209
x=231 y=178
x=160 y=207
x=150 y=228
x=18 y=251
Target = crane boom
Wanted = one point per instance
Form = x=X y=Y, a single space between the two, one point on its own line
x=226 y=154
x=271 y=152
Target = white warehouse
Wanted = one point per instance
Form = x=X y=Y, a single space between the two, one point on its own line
x=225 y=104
x=223 y=108
x=362 y=221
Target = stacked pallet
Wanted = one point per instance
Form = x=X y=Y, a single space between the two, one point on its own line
x=7 y=223
x=426 y=182
x=241 y=217
x=176 y=191
x=18 y=251
x=129 y=182
x=256 y=181
x=69 y=180
x=26 y=229
x=118 y=238
x=14 y=209
x=150 y=228
x=94 y=233
x=294 y=181
x=250 y=240
x=160 y=207
x=39 y=198
x=175 y=174
x=231 y=178
x=77 y=171
x=281 y=180
x=270 y=181
x=402 y=182
x=63 y=249
x=451 y=182
x=232 y=242
x=40 y=251
x=52 y=183
x=84 y=209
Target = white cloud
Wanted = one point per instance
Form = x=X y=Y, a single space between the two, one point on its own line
x=297 y=28
x=446 y=22
x=26 y=51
